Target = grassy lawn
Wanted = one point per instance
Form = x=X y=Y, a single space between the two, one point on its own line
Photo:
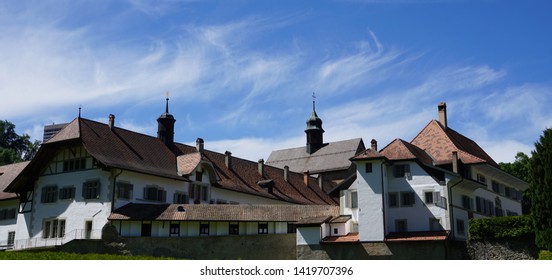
x=52 y=255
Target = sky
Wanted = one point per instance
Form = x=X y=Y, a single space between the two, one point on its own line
x=241 y=74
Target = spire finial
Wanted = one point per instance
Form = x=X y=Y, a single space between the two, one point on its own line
x=79 y=111
x=167 y=104
x=313 y=102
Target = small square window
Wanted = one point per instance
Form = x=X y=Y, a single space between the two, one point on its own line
x=263 y=228
x=401 y=170
x=234 y=229
x=407 y=199
x=204 y=229
x=368 y=167
x=175 y=229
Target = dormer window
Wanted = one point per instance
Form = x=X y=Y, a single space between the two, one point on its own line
x=199 y=176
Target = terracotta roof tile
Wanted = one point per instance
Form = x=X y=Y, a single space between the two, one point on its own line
x=441 y=142
x=351 y=237
x=368 y=154
x=187 y=163
x=417 y=236
x=221 y=212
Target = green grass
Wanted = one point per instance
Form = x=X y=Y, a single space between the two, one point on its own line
x=52 y=255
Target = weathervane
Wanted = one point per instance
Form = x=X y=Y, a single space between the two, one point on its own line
x=79 y=111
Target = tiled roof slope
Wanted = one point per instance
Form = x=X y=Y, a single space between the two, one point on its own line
x=128 y=150
x=402 y=150
x=243 y=176
x=7 y=175
x=220 y=212
x=440 y=142
x=333 y=156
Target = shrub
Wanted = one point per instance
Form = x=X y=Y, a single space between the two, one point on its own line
x=500 y=227
x=545 y=255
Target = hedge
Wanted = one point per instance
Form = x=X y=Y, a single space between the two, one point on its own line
x=545 y=255
x=500 y=227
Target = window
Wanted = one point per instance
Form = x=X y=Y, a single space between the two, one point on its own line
x=11 y=238
x=401 y=225
x=407 y=199
x=74 y=164
x=393 y=200
x=484 y=206
x=174 y=229
x=7 y=214
x=204 y=193
x=368 y=167
x=354 y=200
x=467 y=202
x=53 y=228
x=67 y=193
x=155 y=193
x=507 y=191
x=199 y=192
x=91 y=189
x=401 y=170
x=291 y=228
x=199 y=176
x=263 y=228
x=460 y=228
x=124 y=190
x=481 y=178
x=49 y=194
x=335 y=231
x=496 y=186
x=204 y=229
x=234 y=229
x=432 y=197
x=180 y=198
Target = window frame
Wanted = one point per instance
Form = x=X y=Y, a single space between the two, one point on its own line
x=125 y=190
x=91 y=189
x=368 y=167
x=262 y=228
x=234 y=228
x=67 y=193
x=49 y=194
x=204 y=229
x=410 y=196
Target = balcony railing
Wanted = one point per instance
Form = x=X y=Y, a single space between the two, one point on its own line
x=21 y=244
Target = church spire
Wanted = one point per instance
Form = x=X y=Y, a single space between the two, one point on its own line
x=314 y=131
x=165 y=125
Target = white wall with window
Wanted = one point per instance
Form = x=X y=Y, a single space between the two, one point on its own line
x=8 y=220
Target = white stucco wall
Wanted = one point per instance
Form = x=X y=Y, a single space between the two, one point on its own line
x=308 y=235
x=8 y=225
x=369 y=187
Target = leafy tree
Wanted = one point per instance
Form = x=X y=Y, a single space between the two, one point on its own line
x=15 y=148
x=541 y=183
x=520 y=168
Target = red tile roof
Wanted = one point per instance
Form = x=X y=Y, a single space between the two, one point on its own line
x=440 y=142
x=351 y=237
x=417 y=236
x=128 y=150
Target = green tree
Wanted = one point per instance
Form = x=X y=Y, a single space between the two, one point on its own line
x=520 y=168
x=13 y=147
x=541 y=183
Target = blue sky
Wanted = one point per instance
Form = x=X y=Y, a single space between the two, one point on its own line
x=241 y=73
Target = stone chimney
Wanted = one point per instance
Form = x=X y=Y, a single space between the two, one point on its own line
x=260 y=167
x=455 y=161
x=228 y=159
x=443 y=114
x=374 y=145
x=286 y=173
x=199 y=145
x=306 y=177
x=111 y=121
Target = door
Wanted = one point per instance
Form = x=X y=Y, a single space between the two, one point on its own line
x=88 y=229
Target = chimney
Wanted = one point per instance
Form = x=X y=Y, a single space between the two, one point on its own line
x=199 y=145
x=320 y=182
x=374 y=145
x=455 y=161
x=306 y=177
x=443 y=114
x=228 y=159
x=261 y=167
x=286 y=173
x=111 y=121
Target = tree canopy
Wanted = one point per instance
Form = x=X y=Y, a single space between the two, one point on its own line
x=14 y=147
x=520 y=168
x=541 y=185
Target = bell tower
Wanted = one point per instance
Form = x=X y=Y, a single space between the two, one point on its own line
x=165 y=126
x=314 y=131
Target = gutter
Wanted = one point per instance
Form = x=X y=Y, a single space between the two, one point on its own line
x=451 y=210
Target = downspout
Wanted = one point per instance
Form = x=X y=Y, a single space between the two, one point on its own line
x=452 y=225
x=114 y=190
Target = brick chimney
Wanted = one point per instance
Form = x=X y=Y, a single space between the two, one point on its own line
x=306 y=177
x=111 y=121
x=443 y=114
x=455 y=161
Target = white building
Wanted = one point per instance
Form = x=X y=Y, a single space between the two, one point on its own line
x=90 y=174
x=426 y=189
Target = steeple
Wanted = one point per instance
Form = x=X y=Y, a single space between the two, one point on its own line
x=314 y=131
x=165 y=126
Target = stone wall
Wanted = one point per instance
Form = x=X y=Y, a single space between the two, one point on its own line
x=247 y=247
x=504 y=249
